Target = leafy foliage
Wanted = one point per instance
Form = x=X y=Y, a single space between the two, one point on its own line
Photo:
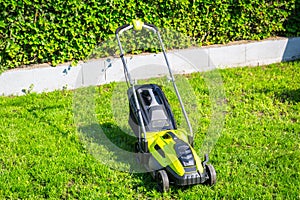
x=57 y=31
x=257 y=156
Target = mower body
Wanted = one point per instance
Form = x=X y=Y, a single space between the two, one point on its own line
x=169 y=150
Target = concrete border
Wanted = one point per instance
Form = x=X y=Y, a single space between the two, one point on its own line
x=101 y=71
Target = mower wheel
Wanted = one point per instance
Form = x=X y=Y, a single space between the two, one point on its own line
x=212 y=175
x=162 y=181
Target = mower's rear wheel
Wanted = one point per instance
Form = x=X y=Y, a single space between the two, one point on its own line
x=162 y=181
x=212 y=175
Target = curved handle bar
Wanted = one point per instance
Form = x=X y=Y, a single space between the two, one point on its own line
x=121 y=28
x=150 y=26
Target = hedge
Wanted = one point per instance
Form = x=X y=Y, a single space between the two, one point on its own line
x=56 y=31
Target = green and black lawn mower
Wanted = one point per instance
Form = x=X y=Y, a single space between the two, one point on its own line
x=163 y=149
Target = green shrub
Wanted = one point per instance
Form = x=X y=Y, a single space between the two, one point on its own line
x=58 y=31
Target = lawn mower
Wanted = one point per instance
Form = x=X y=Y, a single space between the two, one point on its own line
x=163 y=149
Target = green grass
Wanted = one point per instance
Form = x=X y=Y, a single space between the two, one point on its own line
x=256 y=157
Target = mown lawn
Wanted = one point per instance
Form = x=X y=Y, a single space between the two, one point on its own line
x=256 y=157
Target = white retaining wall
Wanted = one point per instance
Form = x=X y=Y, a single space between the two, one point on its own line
x=96 y=72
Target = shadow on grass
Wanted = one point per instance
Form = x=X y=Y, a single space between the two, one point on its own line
x=119 y=137
x=115 y=149
x=292 y=96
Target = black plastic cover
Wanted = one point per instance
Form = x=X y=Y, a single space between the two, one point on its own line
x=155 y=109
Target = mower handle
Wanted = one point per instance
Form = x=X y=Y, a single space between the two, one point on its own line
x=129 y=26
x=138 y=25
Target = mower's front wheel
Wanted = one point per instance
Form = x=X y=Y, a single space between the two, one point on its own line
x=212 y=175
x=162 y=181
